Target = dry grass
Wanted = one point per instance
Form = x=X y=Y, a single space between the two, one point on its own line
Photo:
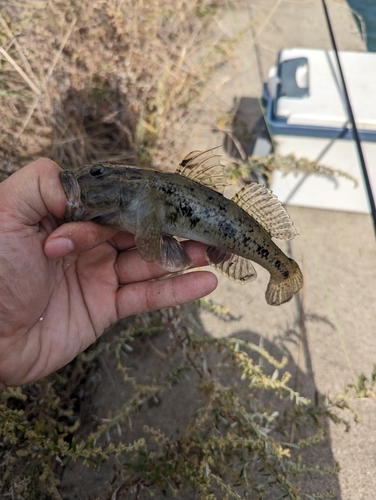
x=82 y=81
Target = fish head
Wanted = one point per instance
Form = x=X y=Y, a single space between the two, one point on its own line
x=91 y=191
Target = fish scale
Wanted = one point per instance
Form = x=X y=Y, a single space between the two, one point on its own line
x=224 y=223
x=157 y=206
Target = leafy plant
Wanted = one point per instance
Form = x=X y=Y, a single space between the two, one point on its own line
x=286 y=164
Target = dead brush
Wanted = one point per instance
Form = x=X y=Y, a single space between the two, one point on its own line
x=100 y=80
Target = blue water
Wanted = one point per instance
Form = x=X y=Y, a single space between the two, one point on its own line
x=367 y=9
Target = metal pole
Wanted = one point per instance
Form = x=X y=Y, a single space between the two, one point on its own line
x=352 y=119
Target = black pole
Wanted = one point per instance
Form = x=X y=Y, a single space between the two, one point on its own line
x=352 y=119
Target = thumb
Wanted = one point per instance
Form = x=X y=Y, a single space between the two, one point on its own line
x=34 y=191
x=31 y=193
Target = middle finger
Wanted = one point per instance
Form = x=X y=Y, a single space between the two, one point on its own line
x=131 y=268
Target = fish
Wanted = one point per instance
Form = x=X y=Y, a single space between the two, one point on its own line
x=160 y=208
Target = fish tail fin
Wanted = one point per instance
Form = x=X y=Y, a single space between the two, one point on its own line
x=281 y=291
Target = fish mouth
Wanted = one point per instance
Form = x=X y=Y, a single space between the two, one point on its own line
x=74 y=210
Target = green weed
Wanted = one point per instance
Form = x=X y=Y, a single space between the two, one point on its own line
x=234 y=446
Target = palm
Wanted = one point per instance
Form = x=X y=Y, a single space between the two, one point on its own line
x=81 y=305
x=58 y=307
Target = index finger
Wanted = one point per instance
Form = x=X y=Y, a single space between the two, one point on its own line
x=123 y=241
x=83 y=236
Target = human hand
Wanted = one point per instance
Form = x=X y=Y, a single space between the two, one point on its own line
x=61 y=285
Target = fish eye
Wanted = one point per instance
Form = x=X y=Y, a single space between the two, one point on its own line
x=97 y=170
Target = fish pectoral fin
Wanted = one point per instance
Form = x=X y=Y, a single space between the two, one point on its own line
x=148 y=236
x=149 y=243
x=204 y=167
x=233 y=266
x=173 y=257
x=263 y=205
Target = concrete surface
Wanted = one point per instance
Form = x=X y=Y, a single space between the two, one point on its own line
x=337 y=250
x=334 y=342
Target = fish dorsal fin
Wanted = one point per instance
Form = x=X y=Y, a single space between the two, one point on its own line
x=204 y=167
x=259 y=202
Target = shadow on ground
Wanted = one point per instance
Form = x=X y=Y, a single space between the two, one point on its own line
x=172 y=412
x=248 y=133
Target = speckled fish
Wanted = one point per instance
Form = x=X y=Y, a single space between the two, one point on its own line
x=158 y=206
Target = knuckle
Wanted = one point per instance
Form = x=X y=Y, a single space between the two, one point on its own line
x=152 y=296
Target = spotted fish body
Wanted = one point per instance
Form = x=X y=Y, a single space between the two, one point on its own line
x=156 y=206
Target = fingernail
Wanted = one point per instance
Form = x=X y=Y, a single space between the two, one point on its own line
x=59 y=247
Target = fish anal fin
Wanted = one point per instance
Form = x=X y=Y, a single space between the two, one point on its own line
x=173 y=257
x=148 y=237
x=263 y=205
x=233 y=266
x=204 y=167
